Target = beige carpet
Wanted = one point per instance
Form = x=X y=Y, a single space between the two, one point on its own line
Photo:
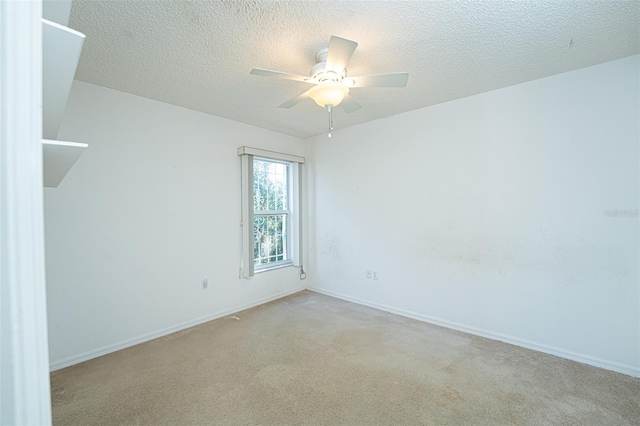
x=309 y=359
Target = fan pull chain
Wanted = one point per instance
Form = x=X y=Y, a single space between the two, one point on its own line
x=330 y=109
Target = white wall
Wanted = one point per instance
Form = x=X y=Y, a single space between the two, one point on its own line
x=149 y=210
x=488 y=214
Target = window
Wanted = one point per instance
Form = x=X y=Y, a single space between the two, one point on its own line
x=271 y=213
x=270 y=210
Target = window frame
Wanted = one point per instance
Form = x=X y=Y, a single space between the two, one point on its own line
x=247 y=154
x=261 y=267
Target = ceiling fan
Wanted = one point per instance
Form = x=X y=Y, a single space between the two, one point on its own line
x=330 y=80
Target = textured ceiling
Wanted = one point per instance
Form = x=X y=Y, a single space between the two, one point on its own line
x=198 y=54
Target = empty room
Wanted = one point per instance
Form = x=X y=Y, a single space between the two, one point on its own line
x=320 y=212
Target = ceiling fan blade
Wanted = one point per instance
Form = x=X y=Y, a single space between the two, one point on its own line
x=340 y=51
x=396 y=79
x=295 y=101
x=281 y=75
x=349 y=104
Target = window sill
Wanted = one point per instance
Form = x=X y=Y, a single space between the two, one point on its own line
x=272 y=267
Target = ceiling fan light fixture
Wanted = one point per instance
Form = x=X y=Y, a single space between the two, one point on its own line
x=328 y=94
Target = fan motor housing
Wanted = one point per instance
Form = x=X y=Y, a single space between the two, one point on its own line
x=319 y=71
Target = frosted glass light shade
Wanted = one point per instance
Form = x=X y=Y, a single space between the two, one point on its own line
x=328 y=94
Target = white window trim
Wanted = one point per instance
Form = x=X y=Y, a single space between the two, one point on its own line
x=247 y=154
x=271 y=266
x=270 y=155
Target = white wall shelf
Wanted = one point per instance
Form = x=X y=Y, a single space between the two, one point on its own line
x=61 y=51
x=58 y=158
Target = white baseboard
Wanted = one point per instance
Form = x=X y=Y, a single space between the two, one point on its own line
x=66 y=362
x=619 y=368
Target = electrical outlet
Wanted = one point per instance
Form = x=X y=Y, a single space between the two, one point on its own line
x=369 y=274
x=374 y=274
x=205 y=283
